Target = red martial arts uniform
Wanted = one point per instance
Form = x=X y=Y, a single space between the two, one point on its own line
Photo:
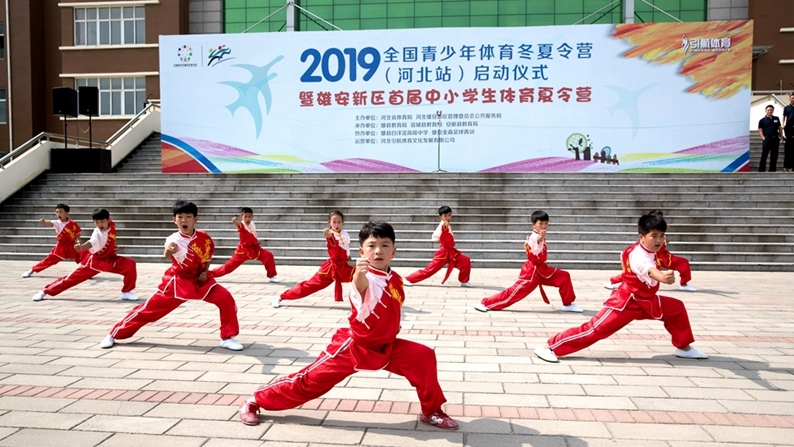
x=370 y=344
x=635 y=299
x=666 y=260
x=102 y=257
x=180 y=283
x=335 y=270
x=534 y=273
x=447 y=254
x=67 y=235
x=248 y=248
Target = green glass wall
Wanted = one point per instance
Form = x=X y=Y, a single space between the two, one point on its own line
x=390 y=14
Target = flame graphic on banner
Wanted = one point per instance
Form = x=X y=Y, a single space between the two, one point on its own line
x=717 y=72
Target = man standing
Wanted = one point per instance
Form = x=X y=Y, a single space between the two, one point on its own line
x=771 y=134
x=788 y=129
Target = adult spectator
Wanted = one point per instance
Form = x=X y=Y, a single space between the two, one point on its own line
x=771 y=134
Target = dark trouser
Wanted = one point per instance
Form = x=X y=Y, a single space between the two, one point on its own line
x=788 y=149
x=770 y=147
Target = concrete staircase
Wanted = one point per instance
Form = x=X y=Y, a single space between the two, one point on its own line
x=755 y=153
x=719 y=221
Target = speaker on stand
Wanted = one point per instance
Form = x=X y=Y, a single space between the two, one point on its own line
x=88 y=105
x=64 y=103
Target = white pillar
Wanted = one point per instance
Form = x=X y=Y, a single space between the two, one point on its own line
x=628 y=11
x=291 y=12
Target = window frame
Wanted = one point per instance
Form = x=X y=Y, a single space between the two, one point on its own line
x=113 y=89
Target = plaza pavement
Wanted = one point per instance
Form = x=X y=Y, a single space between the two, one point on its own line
x=171 y=385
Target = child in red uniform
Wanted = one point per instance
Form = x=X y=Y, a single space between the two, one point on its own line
x=667 y=261
x=248 y=248
x=447 y=254
x=534 y=273
x=67 y=233
x=190 y=251
x=101 y=257
x=334 y=270
x=369 y=344
x=635 y=299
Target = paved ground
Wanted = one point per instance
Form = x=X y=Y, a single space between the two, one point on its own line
x=172 y=386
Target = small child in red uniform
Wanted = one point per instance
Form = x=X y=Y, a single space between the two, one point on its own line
x=635 y=299
x=248 y=248
x=447 y=254
x=534 y=273
x=101 y=257
x=67 y=233
x=369 y=344
x=190 y=251
x=666 y=260
x=335 y=270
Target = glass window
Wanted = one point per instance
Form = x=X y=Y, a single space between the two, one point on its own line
x=2 y=40
x=110 y=26
x=3 y=118
x=118 y=96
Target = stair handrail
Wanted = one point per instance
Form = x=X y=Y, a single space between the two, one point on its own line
x=768 y=97
x=47 y=136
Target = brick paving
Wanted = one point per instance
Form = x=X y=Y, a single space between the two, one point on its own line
x=172 y=385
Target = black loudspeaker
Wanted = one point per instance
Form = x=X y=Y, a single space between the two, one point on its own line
x=88 y=101
x=80 y=160
x=64 y=101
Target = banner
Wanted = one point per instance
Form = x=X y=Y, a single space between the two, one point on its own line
x=653 y=97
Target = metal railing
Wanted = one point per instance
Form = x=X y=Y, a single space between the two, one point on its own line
x=49 y=136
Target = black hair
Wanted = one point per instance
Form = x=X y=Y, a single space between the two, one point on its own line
x=657 y=213
x=62 y=206
x=245 y=209
x=650 y=222
x=100 y=213
x=444 y=210
x=377 y=229
x=185 y=207
x=770 y=105
x=336 y=213
x=539 y=215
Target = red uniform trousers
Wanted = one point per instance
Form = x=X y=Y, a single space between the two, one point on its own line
x=461 y=262
x=237 y=259
x=328 y=273
x=49 y=261
x=160 y=305
x=608 y=321
x=524 y=286
x=414 y=361
x=121 y=266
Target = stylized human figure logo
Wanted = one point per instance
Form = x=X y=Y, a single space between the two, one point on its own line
x=248 y=93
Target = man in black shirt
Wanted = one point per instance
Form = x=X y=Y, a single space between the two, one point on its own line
x=771 y=134
x=788 y=129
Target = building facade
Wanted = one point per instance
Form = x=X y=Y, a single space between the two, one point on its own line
x=773 y=45
x=113 y=44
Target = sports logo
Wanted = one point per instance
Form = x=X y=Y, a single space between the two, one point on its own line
x=217 y=55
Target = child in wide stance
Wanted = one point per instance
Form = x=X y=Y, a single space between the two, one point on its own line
x=101 y=257
x=335 y=270
x=447 y=254
x=534 y=273
x=635 y=299
x=67 y=233
x=369 y=344
x=666 y=260
x=248 y=248
x=190 y=251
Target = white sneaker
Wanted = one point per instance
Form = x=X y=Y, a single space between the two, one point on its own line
x=608 y=285
x=406 y=283
x=481 y=307
x=466 y=284
x=107 y=342
x=274 y=279
x=39 y=296
x=572 y=308
x=691 y=354
x=27 y=274
x=688 y=288
x=231 y=344
x=547 y=355
x=129 y=296
x=276 y=303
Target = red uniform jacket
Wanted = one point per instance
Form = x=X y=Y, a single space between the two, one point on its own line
x=664 y=258
x=634 y=288
x=374 y=321
x=536 y=262
x=447 y=251
x=65 y=239
x=193 y=255
x=104 y=258
x=249 y=242
x=336 y=266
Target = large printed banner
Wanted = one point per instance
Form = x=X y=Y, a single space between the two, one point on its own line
x=654 y=97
